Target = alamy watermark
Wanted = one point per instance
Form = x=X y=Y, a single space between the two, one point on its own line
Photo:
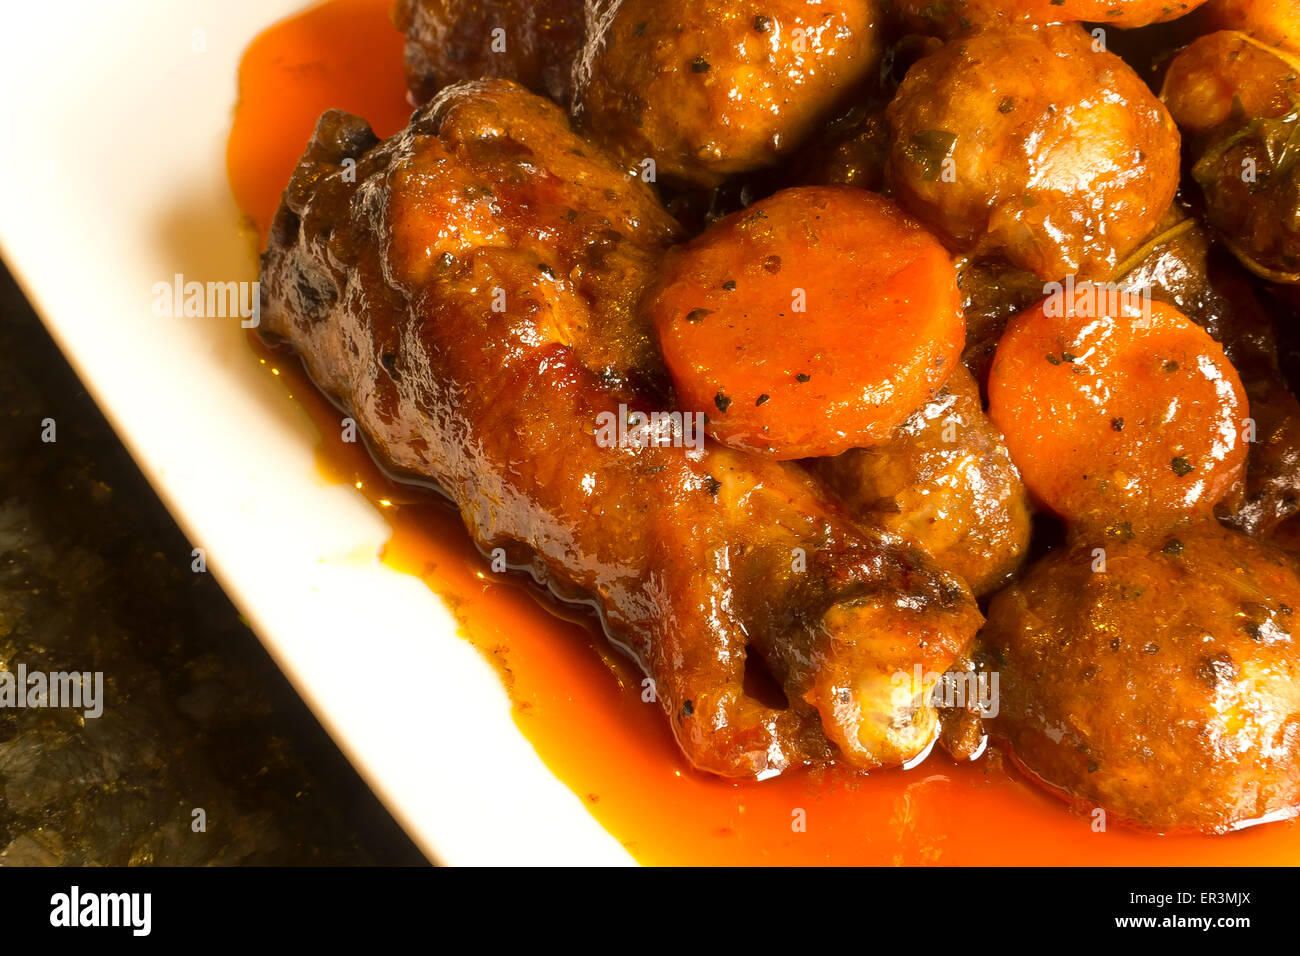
x=75 y=908
x=76 y=690
x=211 y=300
x=951 y=689
x=633 y=429
x=1095 y=299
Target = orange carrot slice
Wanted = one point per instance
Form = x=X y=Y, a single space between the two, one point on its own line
x=810 y=323
x=1118 y=409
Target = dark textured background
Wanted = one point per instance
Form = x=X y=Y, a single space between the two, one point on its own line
x=95 y=576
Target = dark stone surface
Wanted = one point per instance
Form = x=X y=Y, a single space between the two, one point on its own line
x=95 y=576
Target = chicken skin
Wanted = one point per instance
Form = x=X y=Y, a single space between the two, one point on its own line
x=1155 y=677
x=1036 y=145
x=467 y=292
x=946 y=482
x=711 y=88
x=533 y=42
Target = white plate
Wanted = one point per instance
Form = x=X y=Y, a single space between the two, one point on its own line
x=112 y=179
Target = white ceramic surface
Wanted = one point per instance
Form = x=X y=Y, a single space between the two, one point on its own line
x=112 y=179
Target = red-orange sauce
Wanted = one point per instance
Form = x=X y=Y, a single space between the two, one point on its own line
x=574 y=699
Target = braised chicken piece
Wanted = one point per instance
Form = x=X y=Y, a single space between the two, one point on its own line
x=944 y=481
x=1275 y=22
x=534 y=42
x=1156 y=678
x=466 y=291
x=711 y=88
x=949 y=17
x=1238 y=103
x=1035 y=145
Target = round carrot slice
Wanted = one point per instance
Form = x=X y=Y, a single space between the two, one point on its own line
x=810 y=323
x=1118 y=408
